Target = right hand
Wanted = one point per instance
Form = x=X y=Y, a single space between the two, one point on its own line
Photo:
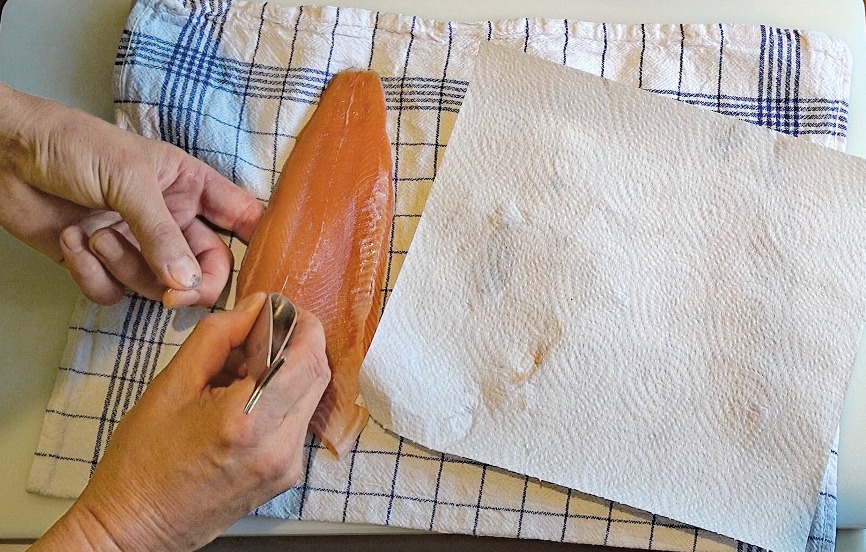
x=186 y=462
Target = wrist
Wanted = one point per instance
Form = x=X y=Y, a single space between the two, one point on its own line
x=78 y=529
x=19 y=119
x=25 y=121
x=96 y=530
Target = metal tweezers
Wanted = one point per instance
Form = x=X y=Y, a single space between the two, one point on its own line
x=267 y=341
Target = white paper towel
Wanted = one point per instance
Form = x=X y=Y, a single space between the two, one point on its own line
x=631 y=297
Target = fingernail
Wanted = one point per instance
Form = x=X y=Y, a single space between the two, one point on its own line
x=105 y=246
x=68 y=238
x=185 y=272
x=178 y=298
x=249 y=302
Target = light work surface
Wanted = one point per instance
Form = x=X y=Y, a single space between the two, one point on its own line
x=64 y=50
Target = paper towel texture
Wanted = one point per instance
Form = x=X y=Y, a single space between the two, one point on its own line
x=631 y=297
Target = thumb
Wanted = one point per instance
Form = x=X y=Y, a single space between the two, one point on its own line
x=204 y=353
x=163 y=244
x=300 y=382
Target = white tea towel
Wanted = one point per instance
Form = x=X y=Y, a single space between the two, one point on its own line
x=233 y=83
x=666 y=322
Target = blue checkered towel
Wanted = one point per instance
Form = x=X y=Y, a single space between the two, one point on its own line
x=233 y=83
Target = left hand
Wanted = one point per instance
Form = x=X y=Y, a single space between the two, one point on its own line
x=115 y=208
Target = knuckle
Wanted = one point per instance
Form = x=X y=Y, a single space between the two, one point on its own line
x=88 y=275
x=250 y=216
x=310 y=360
x=317 y=330
x=314 y=370
x=191 y=171
x=116 y=178
x=103 y=297
x=320 y=370
x=163 y=232
x=237 y=432
x=317 y=357
x=70 y=234
x=83 y=269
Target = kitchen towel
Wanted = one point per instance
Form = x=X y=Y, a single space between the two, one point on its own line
x=630 y=296
x=232 y=83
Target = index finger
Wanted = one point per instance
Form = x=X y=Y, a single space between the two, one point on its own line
x=227 y=205
x=300 y=382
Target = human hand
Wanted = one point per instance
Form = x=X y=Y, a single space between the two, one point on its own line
x=115 y=208
x=186 y=462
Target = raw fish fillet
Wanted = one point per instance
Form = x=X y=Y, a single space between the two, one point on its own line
x=323 y=241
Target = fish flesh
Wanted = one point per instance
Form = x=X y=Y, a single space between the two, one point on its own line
x=323 y=241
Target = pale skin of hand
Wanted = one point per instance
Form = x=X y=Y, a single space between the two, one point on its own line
x=116 y=209
x=119 y=210
x=186 y=462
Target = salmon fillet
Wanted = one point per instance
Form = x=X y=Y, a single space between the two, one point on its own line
x=323 y=240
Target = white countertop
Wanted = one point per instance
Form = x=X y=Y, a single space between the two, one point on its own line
x=64 y=50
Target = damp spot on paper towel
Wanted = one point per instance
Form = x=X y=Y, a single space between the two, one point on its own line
x=493 y=268
x=537 y=356
x=544 y=332
x=758 y=412
x=517 y=357
x=494 y=261
x=494 y=392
